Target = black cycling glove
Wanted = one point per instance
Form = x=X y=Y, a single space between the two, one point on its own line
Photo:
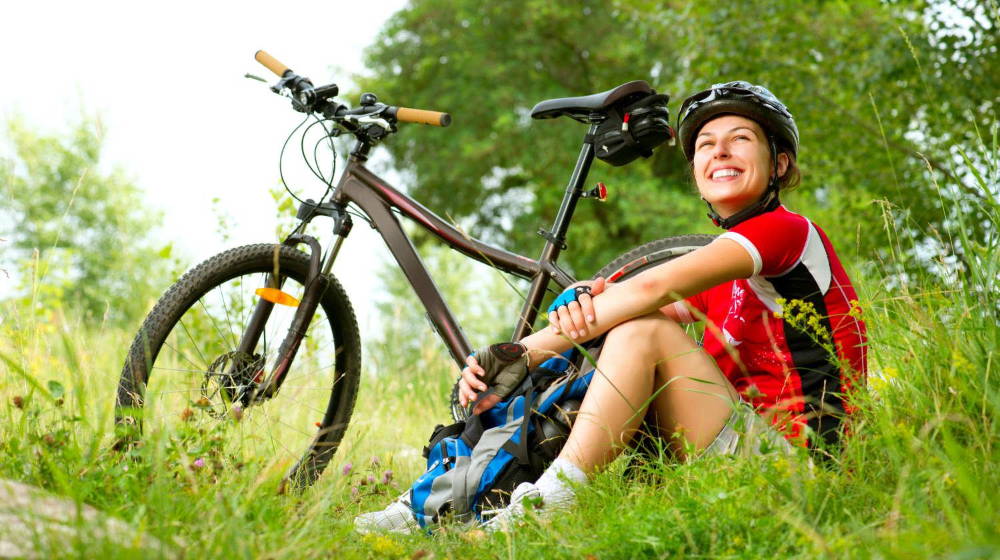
x=505 y=364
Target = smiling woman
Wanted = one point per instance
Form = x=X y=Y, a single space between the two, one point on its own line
x=784 y=343
x=765 y=122
x=732 y=163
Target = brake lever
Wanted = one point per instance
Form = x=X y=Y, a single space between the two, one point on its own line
x=292 y=81
x=370 y=119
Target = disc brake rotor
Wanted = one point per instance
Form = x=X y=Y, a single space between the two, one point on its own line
x=232 y=379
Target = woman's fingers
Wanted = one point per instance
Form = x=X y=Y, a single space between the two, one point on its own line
x=598 y=285
x=566 y=322
x=463 y=392
x=587 y=301
x=470 y=383
x=473 y=380
x=587 y=307
x=575 y=312
x=466 y=394
x=554 y=321
x=474 y=366
x=486 y=404
x=569 y=319
x=575 y=318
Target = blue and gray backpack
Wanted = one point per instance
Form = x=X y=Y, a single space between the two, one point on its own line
x=474 y=465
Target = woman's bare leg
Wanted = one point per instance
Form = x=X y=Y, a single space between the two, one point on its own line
x=647 y=355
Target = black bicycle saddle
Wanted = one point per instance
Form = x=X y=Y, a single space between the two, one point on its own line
x=581 y=106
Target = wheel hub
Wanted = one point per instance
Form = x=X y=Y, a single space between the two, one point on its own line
x=233 y=378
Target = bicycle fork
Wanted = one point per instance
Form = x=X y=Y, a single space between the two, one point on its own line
x=315 y=286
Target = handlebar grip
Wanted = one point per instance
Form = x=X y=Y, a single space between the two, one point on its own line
x=271 y=63
x=422 y=116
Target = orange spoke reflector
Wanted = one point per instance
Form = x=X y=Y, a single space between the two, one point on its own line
x=275 y=295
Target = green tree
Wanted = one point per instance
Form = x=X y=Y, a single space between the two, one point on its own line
x=79 y=236
x=886 y=94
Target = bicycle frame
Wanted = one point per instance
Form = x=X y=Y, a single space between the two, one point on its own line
x=377 y=199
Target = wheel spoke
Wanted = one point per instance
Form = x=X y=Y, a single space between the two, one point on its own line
x=196 y=347
x=211 y=318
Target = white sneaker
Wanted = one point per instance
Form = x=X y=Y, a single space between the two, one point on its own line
x=525 y=496
x=397 y=517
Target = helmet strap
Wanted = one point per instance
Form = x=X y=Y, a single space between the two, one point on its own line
x=766 y=203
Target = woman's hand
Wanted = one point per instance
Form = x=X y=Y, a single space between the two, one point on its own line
x=575 y=319
x=470 y=385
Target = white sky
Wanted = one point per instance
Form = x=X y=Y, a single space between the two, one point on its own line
x=180 y=118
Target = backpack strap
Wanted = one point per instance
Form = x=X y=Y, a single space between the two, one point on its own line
x=440 y=432
x=473 y=431
x=520 y=449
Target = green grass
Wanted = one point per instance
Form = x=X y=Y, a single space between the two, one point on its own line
x=918 y=479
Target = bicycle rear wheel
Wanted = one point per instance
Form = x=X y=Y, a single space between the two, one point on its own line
x=184 y=376
x=649 y=255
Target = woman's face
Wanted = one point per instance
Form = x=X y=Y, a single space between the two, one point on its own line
x=732 y=163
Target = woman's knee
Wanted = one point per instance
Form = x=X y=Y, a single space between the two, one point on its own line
x=652 y=327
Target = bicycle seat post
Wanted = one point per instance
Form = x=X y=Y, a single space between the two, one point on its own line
x=555 y=239
x=574 y=190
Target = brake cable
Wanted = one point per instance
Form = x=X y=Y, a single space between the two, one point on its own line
x=281 y=158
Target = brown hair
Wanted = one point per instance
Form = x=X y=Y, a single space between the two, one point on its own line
x=792 y=176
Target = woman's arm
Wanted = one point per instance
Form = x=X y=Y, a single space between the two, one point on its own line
x=720 y=261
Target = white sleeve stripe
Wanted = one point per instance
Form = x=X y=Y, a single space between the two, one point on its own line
x=682 y=312
x=758 y=263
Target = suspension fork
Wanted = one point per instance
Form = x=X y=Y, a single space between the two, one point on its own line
x=315 y=286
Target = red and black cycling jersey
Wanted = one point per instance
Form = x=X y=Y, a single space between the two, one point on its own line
x=789 y=337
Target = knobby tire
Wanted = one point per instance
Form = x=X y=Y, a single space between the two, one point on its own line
x=213 y=275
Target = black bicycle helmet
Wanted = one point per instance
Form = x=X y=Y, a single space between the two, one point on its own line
x=753 y=102
x=740 y=98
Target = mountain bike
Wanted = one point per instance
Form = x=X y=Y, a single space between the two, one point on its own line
x=258 y=347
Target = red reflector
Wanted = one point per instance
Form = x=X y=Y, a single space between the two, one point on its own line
x=602 y=192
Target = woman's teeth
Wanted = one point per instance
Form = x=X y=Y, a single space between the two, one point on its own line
x=726 y=173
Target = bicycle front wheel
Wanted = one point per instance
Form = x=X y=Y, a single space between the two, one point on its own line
x=185 y=377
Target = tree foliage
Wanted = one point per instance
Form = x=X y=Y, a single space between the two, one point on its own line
x=80 y=236
x=886 y=94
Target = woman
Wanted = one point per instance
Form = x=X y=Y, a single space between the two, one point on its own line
x=782 y=334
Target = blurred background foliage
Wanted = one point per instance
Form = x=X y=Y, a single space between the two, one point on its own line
x=80 y=236
x=888 y=96
x=894 y=99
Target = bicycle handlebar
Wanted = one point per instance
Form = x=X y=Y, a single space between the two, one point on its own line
x=303 y=86
x=271 y=63
x=422 y=116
